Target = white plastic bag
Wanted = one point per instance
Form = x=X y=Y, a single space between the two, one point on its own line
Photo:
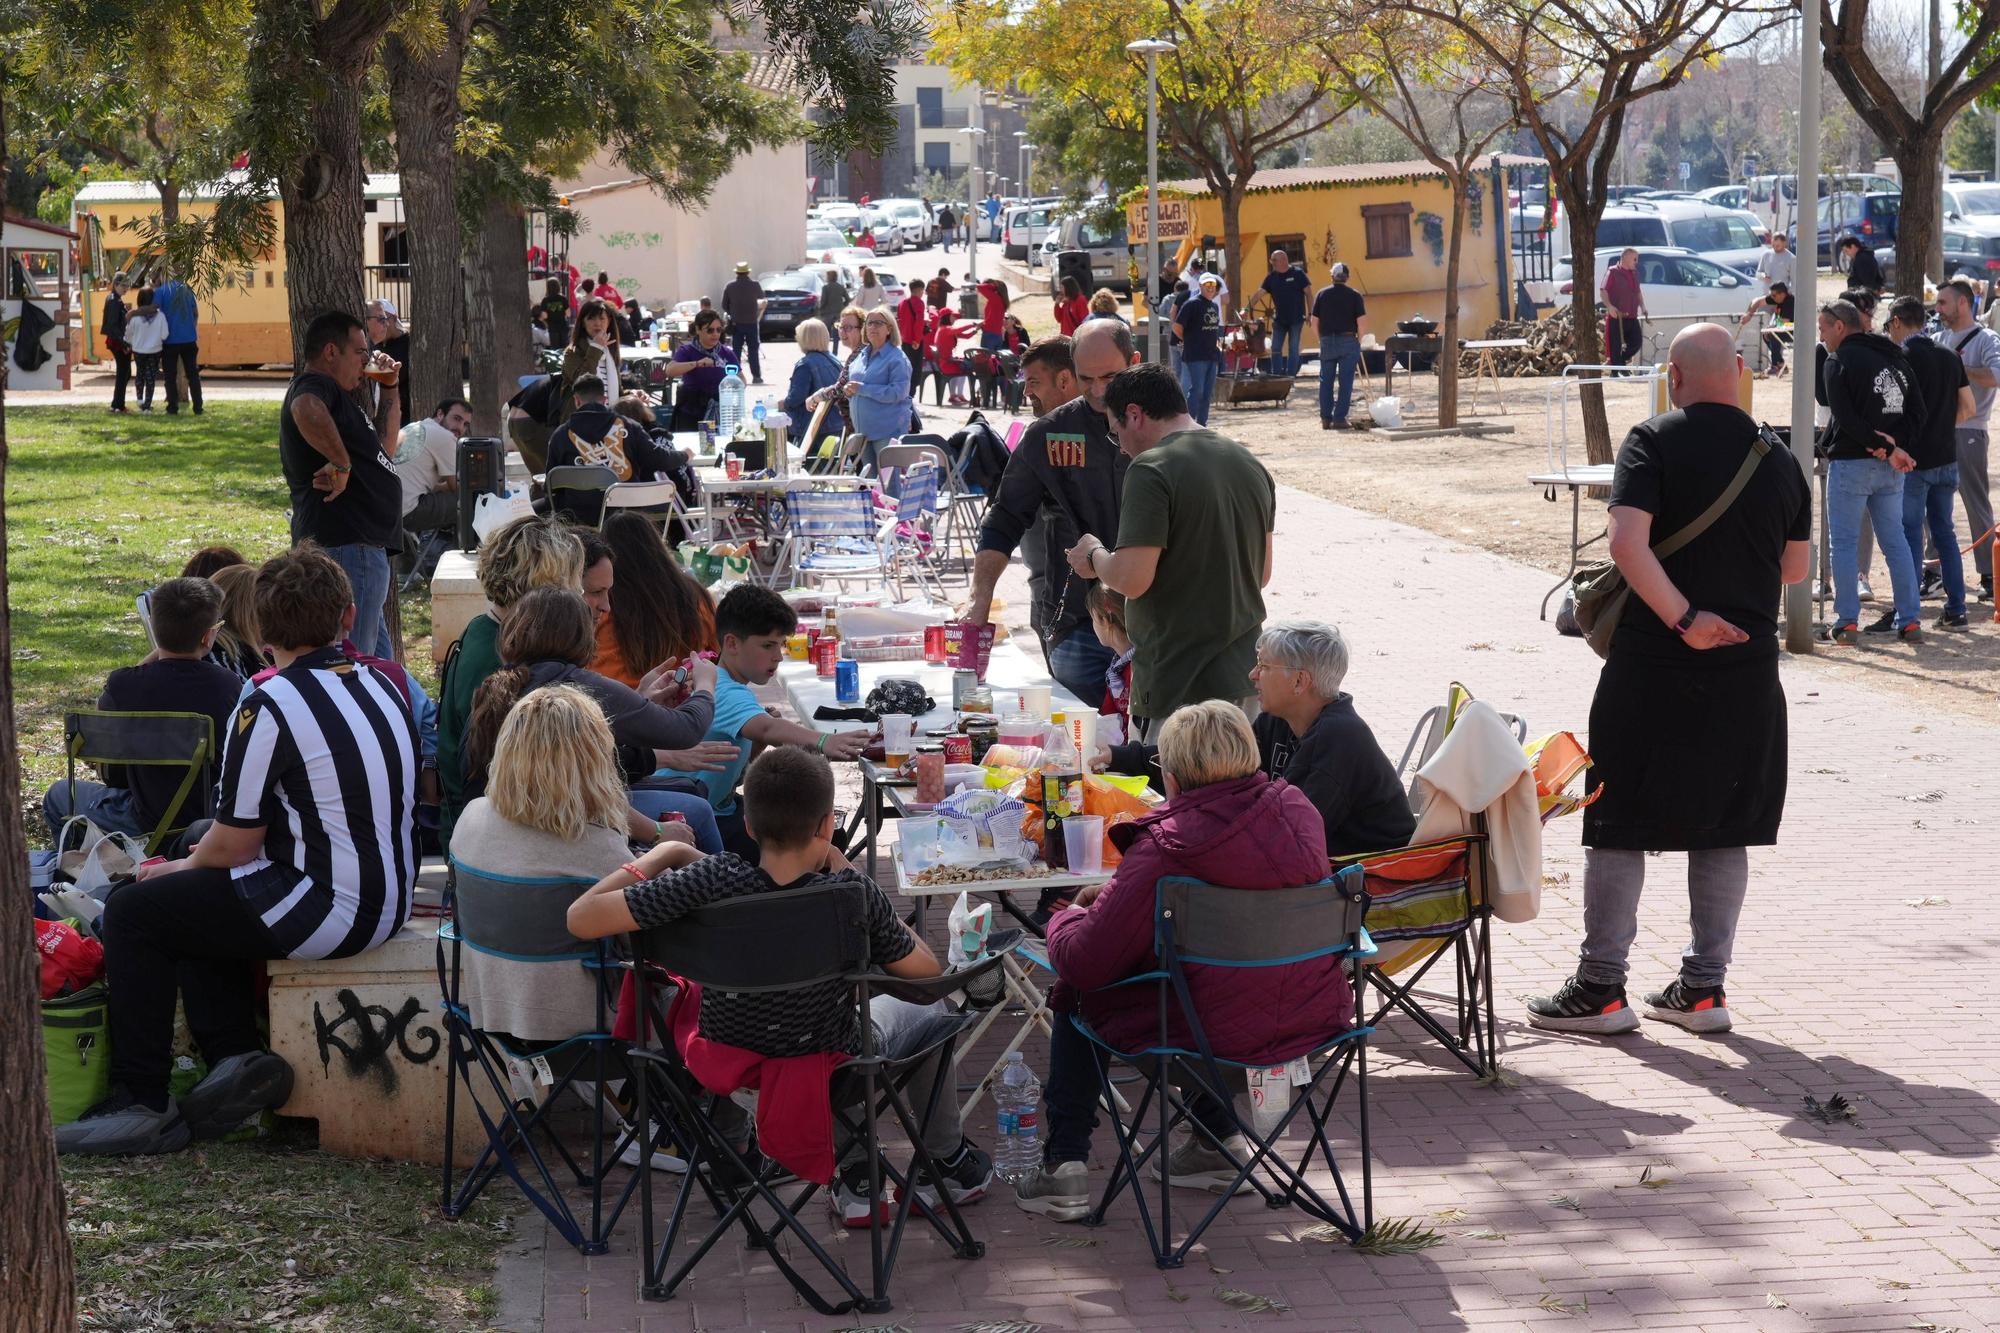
x=98 y=859
x=1387 y=412
x=491 y=512
x=969 y=928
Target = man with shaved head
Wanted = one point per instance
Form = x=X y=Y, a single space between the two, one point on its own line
x=1687 y=730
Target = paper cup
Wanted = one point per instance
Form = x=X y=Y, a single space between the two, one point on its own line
x=1037 y=699
x=1083 y=733
x=1083 y=838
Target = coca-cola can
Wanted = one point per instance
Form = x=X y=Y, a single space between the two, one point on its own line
x=958 y=748
x=934 y=643
x=825 y=653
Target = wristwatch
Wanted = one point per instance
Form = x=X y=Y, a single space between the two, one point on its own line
x=1686 y=622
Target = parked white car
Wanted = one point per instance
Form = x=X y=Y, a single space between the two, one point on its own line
x=820 y=239
x=1726 y=236
x=1024 y=228
x=918 y=227
x=1972 y=200
x=1674 y=283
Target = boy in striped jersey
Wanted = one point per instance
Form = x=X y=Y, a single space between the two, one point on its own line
x=312 y=855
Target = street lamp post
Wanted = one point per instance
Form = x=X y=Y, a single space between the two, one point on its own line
x=972 y=134
x=1805 y=300
x=1152 y=49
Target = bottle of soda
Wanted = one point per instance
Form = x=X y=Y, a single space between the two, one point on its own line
x=1062 y=791
x=1017 y=1105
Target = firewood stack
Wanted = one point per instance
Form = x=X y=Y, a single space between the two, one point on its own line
x=1547 y=352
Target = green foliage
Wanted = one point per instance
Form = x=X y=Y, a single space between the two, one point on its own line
x=1969 y=145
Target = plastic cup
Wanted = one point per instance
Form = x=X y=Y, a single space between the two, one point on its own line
x=732 y=468
x=1023 y=729
x=1038 y=699
x=899 y=732
x=1083 y=839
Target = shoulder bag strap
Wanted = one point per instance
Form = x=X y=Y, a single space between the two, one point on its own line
x=1758 y=448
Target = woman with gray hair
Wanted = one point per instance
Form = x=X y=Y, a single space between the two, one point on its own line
x=1309 y=734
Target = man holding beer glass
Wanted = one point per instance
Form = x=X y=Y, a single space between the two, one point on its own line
x=340 y=465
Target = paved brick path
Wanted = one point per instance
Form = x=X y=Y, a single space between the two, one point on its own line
x=1768 y=1219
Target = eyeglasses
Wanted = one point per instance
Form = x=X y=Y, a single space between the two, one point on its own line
x=847 y=327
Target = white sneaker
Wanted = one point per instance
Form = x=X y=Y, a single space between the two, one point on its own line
x=665 y=1156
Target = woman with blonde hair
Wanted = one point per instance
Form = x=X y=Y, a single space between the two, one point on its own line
x=877 y=386
x=1223 y=823
x=526 y=554
x=236 y=642
x=554 y=808
x=816 y=370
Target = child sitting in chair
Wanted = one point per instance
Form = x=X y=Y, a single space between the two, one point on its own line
x=788 y=810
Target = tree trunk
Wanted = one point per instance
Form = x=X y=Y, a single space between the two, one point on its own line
x=484 y=388
x=1231 y=196
x=1588 y=345
x=170 y=202
x=37 y=1270
x=504 y=248
x=423 y=101
x=1918 y=254
x=1448 y=368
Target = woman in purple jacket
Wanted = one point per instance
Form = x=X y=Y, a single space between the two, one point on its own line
x=1223 y=823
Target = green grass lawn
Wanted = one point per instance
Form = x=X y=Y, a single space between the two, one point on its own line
x=100 y=508
x=201 y=1240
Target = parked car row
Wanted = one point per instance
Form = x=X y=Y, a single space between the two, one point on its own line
x=792 y=296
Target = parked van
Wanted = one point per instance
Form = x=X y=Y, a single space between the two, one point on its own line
x=1727 y=236
x=1109 y=250
x=1023 y=228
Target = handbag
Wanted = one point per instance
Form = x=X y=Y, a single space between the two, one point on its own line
x=1598 y=591
x=96 y=860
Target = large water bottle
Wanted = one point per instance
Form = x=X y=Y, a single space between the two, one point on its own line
x=1017 y=1103
x=729 y=403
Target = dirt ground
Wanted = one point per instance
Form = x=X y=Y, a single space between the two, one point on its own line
x=1475 y=489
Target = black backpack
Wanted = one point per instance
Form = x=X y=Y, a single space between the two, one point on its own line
x=982 y=451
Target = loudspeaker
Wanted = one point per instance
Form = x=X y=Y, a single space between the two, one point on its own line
x=1073 y=264
x=482 y=470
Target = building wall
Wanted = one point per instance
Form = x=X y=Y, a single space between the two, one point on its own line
x=1329 y=217
x=662 y=254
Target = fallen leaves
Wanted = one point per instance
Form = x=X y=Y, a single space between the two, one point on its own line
x=1776 y=1302
x=1397 y=1235
x=1834 y=1109
x=1249 y=1302
x=1071 y=1242
x=1928 y=900
x=1483 y=1233
x=1569 y=1201
x=1556 y=1304
x=1451 y=1215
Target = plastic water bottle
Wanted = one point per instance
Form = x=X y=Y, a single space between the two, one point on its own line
x=757 y=414
x=1017 y=1103
x=729 y=403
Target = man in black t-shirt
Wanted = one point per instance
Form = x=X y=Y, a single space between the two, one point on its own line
x=1777 y=305
x=184 y=616
x=1687 y=730
x=1066 y=471
x=1928 y=488
x=387 y=335
x=1198 y=325
x=1339 y=315
x=1288 y=289
x=788 y=810
x=340 y=466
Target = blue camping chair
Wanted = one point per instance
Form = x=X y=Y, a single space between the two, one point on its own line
x=518 y=932
x=836 y=536
x=1197 y=923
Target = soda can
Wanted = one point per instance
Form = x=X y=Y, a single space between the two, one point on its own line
x=958 y=748
x=826 y=652
x=934 y=643
x=963 y=681
x=847 y=681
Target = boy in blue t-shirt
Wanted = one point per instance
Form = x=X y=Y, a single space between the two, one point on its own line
x=751 y=624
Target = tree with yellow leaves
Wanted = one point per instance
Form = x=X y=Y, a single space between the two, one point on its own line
x=1247 y=77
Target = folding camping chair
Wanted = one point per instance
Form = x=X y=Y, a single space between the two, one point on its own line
x=910 y=540
x=583 y=478
x=657 y=500
x=774 y=942
x=514 y=1080
x=149 y=740
x=836 y=537
x=1214 y=926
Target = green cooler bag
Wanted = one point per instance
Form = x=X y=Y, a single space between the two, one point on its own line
x=76 y=1044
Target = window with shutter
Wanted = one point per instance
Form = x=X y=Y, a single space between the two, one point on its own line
x=1388 y=229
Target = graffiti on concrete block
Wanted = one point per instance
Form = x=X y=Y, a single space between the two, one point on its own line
x=366 y=1034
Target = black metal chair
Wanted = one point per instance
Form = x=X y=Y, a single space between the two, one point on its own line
x=513 y=1082
x=151 y=740
x=1197 y=923
x=772 y=942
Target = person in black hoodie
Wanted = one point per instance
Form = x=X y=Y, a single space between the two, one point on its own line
x=1929 y=488
x=1863 y=269
x=1309 y=734
x=1878 y=413
x=114 y=338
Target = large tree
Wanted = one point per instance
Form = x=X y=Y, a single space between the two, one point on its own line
x=1246 y=79
x=37 y=1269
x=1914 y=134
x=1451 y=106
x=1574 y=68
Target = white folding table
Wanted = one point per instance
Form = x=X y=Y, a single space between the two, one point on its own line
x=1576 y=478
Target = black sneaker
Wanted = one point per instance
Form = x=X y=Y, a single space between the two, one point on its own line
x=1912 y=632
x=852 y=1203
x=1843 y=633
x=1696 y=1008
x=724 y=1175
x=968 y=1174
x=118 y=1126
x=236 y=1089
x=1885 y=625
x=1582 y=1007
x=1931 y=584
x=1986 y=590
x=1950 y=621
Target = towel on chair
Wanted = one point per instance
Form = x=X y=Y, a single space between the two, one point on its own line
x=1480 y=767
